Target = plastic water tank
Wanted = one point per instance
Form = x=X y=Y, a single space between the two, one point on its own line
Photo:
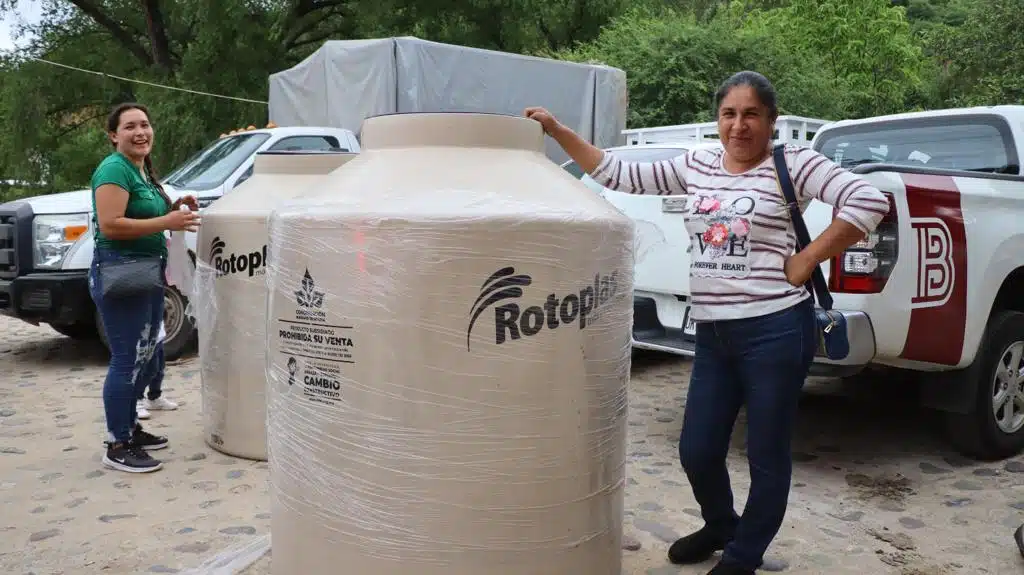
x=232 y=294
x=448 y=353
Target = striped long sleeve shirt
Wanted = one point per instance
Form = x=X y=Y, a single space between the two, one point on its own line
x=738 y=224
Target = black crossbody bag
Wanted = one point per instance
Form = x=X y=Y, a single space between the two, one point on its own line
x=833 y=339
x=131 y=276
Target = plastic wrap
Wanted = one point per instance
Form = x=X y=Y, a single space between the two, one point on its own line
x=231 y=293
x=448 y=355
x=179 y=266
x=234 y=559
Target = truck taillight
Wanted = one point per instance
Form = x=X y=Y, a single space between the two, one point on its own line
x=865 y=267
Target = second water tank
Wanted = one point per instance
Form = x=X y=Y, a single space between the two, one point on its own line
x=231 y=306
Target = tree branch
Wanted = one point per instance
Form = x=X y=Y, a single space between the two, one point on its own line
x=116 y=30
x=308 y=22
x=76 y=125
x=324 y=36
x=159 y=43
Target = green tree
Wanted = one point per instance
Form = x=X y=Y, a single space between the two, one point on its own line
x=982 y=62
x=675 y=64
x=875 y=63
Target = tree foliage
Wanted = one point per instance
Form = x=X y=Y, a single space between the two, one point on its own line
x=828 y=58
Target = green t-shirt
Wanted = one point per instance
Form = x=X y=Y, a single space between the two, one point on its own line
x=144 y=202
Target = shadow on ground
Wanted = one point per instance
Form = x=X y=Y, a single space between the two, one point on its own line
x=56 y=351
x=842 y=423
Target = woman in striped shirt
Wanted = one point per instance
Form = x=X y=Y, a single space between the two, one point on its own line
x=756 y=332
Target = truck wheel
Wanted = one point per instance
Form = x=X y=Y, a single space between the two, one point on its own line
x=181 y=330
x=994 y=429
x=81 y=330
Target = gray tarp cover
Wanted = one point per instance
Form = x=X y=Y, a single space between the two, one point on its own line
x=346 y=81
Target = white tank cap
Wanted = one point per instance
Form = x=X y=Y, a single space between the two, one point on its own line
x=454 y=129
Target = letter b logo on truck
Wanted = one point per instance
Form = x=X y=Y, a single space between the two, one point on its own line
x=227 y=263
x=513 y=321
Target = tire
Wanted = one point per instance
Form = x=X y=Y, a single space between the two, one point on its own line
x=181 y=330
x=996 y=372
x=79 y=331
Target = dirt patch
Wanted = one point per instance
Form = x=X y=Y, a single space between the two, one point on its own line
x=930 y=570
x=893 y=488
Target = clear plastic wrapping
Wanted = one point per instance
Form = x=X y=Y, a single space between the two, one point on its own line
x=448 y=353
x=235 y=559
x=230 y=292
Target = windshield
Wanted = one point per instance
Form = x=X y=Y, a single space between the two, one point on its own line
x=628 y=155
x=979 y=143
x=210 y=167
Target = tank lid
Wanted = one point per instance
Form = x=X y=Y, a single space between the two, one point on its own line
x=310 y=162
x=457 y=129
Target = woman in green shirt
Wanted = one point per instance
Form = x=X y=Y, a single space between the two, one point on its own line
x=131 y=212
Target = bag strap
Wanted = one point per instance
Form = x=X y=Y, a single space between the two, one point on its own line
x=817 y=284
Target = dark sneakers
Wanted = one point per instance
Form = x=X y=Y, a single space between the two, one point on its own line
x=146 y=440
x=130 y=458
x=696 y=547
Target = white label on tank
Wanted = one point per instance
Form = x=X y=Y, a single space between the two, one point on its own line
x=317 y=350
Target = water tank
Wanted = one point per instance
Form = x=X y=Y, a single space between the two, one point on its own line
x=231 y=306
x=448 y=353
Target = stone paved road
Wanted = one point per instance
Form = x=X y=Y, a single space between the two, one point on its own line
x=875 y=492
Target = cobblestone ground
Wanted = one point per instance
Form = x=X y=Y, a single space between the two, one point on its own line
x=875 y=491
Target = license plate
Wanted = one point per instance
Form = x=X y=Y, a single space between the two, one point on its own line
x=673 y=205
x=689 y=326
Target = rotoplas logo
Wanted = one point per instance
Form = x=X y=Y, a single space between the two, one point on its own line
x=253 y=263
x=513 y=322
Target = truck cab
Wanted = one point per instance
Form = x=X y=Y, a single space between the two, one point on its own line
x=46 y=242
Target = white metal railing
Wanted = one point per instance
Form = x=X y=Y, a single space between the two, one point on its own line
x=794 y=129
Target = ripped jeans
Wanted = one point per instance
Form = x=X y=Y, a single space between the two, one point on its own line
x=132 y=327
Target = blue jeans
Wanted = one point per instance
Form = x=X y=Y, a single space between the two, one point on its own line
x=154 y=373
x=761 y=362
x=132 y=326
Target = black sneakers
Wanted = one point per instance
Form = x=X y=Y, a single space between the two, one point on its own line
x=130 y=458
x=696 y=547
x=147 y=440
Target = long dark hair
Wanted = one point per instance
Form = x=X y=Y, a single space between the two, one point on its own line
x=114 y=121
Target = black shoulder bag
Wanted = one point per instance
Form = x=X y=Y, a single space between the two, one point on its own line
x=131 y=276
x=833 y=340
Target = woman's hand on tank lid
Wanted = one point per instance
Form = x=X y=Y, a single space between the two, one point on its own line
x=181 y=220
x=546 y=119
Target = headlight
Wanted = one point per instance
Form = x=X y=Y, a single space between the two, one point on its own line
x=53 y=236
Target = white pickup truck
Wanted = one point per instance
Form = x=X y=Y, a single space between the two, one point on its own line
x=936 y=292
x=46 y=242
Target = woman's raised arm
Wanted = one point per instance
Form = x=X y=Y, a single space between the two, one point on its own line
x=663 y=178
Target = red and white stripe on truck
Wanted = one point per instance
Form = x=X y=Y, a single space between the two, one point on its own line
x=938 y=304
